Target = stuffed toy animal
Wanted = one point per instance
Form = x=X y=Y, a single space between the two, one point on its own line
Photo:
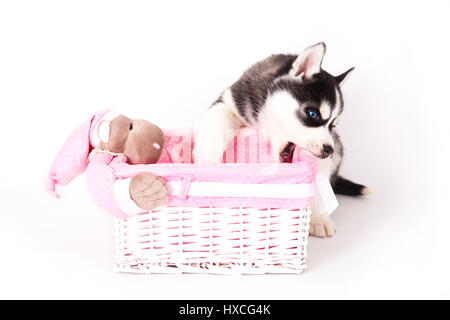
x=120 y=156
x=107 y=138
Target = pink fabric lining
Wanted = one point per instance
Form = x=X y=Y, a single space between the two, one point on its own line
x=283 y=173
x=246 y=160
x=277 y=173
x=104 y=170
x=248 y=146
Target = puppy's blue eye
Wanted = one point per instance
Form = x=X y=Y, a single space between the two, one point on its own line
x=313 y=114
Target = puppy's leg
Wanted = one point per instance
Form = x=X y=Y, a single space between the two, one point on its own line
x=277 y=145
x=215 y=131
x=321 y=225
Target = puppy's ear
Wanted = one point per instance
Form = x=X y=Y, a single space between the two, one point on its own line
x=342 y=77
x=309 y=62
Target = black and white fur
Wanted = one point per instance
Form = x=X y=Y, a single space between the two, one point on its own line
x=278 y=95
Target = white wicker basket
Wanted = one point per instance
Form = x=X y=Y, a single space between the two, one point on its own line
x=213 y=240
x=248 y=215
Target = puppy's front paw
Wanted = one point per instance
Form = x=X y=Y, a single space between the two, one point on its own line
x=209 y=148
x=321 y=225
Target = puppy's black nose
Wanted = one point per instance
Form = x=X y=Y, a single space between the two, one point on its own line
x=327 y=150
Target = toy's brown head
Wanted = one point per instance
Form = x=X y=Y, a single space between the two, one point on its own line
x=139 y=140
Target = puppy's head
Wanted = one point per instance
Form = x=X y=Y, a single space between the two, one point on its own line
x=308 y=102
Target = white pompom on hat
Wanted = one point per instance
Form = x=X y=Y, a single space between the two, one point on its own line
x=100 y=130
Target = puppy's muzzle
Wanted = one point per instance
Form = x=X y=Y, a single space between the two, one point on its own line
x=327 y=150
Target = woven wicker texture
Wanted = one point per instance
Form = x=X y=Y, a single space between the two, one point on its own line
x=191 y=236
x=213 y=240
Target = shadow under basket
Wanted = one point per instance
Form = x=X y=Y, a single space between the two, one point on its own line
x=213 y=240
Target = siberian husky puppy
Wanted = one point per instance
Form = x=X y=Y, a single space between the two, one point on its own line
x=293 y=101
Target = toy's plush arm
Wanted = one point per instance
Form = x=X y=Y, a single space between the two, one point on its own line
x=123 y=197
x=100 y=180
x=142 y=192
x=148 y=190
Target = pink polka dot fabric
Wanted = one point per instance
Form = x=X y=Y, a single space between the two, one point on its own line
x=71 y=160
x=246 y=161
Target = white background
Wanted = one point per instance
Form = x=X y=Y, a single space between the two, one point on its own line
x=166 y=62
